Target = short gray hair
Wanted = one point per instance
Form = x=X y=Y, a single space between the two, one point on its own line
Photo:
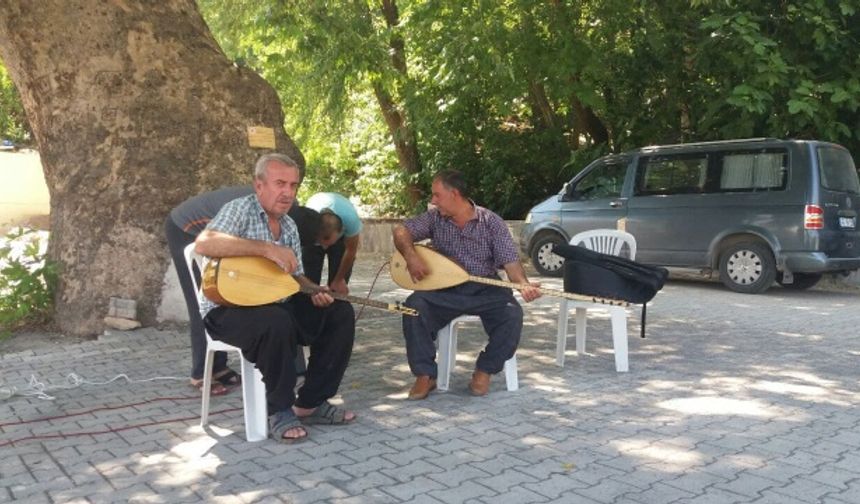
x=260 y=171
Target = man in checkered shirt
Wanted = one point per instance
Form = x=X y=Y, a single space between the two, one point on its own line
x=258 y=225
x=479 y=240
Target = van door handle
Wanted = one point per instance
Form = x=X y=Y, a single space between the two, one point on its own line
x=616 y=203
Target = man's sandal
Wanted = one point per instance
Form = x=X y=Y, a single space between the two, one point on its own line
x=228 y=378
x=283 y=421
x=217 y=389
x=326 y=414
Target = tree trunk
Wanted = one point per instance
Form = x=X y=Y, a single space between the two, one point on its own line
x=588 y=122
x=403 y=138
x=402 y=134
x=134 y=108
x=542 y=110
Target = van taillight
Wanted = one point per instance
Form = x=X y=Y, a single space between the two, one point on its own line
x=813 y=217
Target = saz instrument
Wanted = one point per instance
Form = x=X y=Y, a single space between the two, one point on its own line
x=446 y=273
x=254 y=281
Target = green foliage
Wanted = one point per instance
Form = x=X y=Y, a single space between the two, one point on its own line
x=323 y=60
x=27 y=280
x=788 y=69
x=13 y=122
x=519 y=94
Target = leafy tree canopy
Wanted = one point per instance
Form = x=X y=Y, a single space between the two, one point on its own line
x=520 y=94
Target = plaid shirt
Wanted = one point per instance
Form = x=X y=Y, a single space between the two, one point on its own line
x=245 y=218
x=482 y=247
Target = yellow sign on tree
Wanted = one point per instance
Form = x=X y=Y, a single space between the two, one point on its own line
x=261 y=137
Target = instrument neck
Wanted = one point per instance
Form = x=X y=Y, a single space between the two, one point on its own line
x=549 y=292
x=360 y=300
x=395 y=307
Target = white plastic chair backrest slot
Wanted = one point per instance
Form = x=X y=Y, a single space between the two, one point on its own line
x=606 y=241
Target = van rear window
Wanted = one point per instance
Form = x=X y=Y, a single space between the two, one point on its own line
x=838 y=172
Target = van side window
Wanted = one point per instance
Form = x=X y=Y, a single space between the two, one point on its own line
x=753 y=171
x=681 y=174
x=604 y=181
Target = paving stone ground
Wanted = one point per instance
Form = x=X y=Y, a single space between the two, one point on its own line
x=730 y=399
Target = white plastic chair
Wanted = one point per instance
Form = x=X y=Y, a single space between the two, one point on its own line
x=447 y=341
x=605 y=241
x=253 y=388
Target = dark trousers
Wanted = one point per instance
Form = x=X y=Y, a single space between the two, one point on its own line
x=177 y=240
x=312 y=260
x=313 y=257
x=269 y=336
x=501 y=316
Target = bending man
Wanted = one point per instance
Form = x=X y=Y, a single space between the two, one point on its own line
x=181 y=227
x=340 y=226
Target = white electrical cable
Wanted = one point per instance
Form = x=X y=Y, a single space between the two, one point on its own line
x=39 y=389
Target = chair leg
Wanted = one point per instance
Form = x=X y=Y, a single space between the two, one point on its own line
x=207 y=386
x=444 y=362
x=619 y=338
x=561 y=334
x=254 y=402
x=511 y=378
x=580 y=330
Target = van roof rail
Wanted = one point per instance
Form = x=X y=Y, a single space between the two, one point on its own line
x=713 y=142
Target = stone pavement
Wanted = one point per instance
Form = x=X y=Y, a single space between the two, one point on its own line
x=731 y=398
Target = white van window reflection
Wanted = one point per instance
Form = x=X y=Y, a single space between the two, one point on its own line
x=603 y=181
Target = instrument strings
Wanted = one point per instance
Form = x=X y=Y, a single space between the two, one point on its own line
x=289 y=282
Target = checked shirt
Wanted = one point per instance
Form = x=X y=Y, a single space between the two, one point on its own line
x=245 y=218
x=482 y=247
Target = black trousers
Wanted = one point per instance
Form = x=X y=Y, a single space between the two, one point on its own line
x=269 y=336
x=177 y=240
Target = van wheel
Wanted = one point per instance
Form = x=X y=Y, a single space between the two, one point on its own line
x=747 y=267
x=802 y=281
x=545 y=262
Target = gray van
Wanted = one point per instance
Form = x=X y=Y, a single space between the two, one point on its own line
x=755 y=210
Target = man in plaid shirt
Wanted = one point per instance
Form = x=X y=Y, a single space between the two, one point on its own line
x=479 y=240
x=258 y=225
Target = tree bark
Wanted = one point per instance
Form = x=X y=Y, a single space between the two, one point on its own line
x=588 y=122
x=402 y=134
x=134 y=108
x=542 y=110
x=403 y=138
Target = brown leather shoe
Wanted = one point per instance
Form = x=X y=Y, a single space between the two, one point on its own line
x=480 y=384
x=422 y=388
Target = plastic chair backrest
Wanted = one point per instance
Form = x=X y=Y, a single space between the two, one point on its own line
x=193 y=261
x=606 y=241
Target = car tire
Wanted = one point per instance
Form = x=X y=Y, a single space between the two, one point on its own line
x=545 y=262
x=802 y=281
x=747 y=267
